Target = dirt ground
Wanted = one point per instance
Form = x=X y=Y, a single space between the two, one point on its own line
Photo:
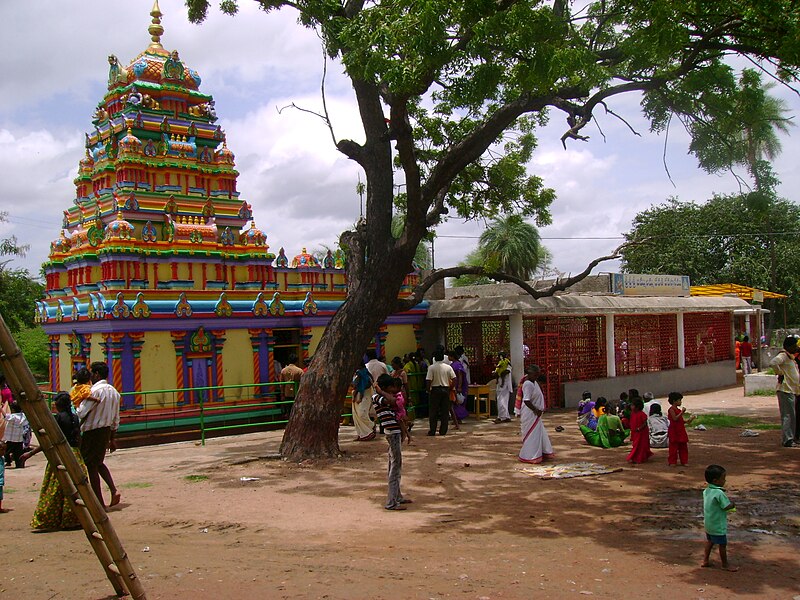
x=478 y=529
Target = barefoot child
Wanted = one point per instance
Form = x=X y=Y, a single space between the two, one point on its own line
x=385 y=405
x=640 y=435
x=678 y=439
x=716 y=507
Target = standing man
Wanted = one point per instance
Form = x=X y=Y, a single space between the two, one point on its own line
x=99 y=415
x=438 y=382
x=788 y=387
x=290 y=378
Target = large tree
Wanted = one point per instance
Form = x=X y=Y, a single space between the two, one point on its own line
x=715 y=242
x=450 y=92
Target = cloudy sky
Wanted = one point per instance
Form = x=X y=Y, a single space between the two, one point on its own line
x=54 y=64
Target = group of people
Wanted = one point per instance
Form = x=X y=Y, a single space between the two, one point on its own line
x=610 y=424
x=88 y=416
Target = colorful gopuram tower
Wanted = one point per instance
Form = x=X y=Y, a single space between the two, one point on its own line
x=160 y=269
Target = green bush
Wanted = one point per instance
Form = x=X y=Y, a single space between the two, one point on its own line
x=33 y=343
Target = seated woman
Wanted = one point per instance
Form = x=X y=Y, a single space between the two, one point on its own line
x=585 y=407
x=609 y=433
x=658 y=425
x=598 y=410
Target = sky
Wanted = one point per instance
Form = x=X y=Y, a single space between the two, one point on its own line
x=302 y=190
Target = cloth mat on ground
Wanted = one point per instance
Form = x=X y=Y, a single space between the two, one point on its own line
x=568 y=470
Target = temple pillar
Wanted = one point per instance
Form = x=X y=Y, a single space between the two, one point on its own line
x=611 y=350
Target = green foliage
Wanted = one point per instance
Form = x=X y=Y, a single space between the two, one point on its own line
x=18 y=293
x=731 y=122
x=467 y=83
x=508 y=245
x=721 y=241
x=34 y=345
x=196 y=478
x=723 y=420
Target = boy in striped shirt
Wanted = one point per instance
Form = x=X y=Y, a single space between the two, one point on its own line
x=385 y=404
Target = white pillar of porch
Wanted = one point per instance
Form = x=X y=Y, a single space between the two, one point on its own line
x=515 y=346
x=611 y=351
x=681 y=343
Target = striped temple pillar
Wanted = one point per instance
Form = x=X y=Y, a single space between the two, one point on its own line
x=117 y=348
x=179 y=341
x=419 y=332
x=53 y=344
x=137 y=341
x=256 y=336
x=380 y=340
x=219 y=341
x=305 y=341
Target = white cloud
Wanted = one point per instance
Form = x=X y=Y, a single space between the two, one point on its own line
x=302 y=189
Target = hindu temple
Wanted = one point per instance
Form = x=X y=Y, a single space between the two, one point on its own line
x=160 y=268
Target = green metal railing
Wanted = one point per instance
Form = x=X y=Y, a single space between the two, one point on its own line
x=223 y=408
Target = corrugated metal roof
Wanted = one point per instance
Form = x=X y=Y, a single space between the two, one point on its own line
x=727 y=289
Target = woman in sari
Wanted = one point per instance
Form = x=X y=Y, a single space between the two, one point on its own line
x=53 y=511
x=362 y=385
x=609 y=433
x=536 y=444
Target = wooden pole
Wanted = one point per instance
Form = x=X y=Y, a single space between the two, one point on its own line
x=74 y=482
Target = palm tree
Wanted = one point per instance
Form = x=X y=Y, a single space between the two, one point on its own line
x=509 y=245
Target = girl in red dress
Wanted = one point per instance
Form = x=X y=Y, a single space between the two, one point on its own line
x=640 y=434
x=678 y=439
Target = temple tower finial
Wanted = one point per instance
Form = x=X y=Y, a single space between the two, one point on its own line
x=155 y=30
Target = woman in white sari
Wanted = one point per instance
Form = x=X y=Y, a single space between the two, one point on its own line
x=536 y=444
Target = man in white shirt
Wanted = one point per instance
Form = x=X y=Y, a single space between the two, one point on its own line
x=438 y=381
x=785 y=368
x=99 y=415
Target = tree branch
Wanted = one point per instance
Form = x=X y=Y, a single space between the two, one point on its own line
x=560 y=285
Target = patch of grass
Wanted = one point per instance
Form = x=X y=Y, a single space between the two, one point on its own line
x=7 y=490
x=762 y=393
x=196 y=478
x=723 y=420
x=133 y=485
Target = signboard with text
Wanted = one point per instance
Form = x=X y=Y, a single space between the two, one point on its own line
x=634 y=284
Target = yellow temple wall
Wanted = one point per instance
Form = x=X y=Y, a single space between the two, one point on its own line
x=316 y=336
x=158 y=368
x=237 y=363
x=399 y=341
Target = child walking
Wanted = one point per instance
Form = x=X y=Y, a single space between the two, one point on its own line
x=640 y=435
x=716 y=507
x=678 y=438
x=385 y=406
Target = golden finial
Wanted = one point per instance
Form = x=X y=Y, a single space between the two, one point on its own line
x=156 y=30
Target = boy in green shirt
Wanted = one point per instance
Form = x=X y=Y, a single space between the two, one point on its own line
x=716 y=507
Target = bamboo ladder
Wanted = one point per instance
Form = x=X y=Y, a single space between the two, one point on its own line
x=90 y=513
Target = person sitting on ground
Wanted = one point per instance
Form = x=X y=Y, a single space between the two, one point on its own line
x=649 y=400
x=625 y=408
x=658 y=425
x=609 y=433
x=585 y=407
x=598 y=410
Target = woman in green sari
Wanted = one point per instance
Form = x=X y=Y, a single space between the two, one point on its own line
x=610 y=433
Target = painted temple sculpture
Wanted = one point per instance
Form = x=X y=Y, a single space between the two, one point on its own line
x=160 y=268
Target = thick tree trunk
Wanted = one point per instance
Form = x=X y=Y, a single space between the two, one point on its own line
x=313 y=428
